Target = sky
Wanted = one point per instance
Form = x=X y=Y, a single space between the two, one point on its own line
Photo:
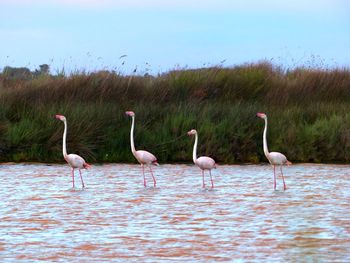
x=158 y=35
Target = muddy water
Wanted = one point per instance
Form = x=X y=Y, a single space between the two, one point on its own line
x=116 y=219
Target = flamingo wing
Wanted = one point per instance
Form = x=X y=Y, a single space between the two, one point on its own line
x=205 y=163
x=75 y=161
x=145 y=157
x=277 y=158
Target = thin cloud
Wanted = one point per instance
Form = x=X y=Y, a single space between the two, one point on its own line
x=252 y=5
x=23 y=33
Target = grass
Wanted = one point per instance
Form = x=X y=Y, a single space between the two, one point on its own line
x=308 y=111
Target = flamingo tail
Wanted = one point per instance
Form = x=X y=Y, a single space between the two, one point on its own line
x=155 y=163
x=87 y=166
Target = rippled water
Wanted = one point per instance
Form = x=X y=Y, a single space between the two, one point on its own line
x=116 y=219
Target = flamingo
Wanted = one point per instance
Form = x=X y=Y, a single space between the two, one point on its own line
x=203 y=162
x=74 y=160
x=143 y=157
x=275 y=158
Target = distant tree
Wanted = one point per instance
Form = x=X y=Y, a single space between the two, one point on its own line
x=44 y=69
x=16 y=73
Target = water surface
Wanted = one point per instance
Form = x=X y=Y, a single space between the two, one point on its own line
x=116 y=219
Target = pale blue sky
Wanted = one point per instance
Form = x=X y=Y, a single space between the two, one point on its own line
x=93 y=34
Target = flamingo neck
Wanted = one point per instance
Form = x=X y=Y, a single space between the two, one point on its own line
x=266 y=150
x=195 y=148
x=132 y=136
x=64 y=146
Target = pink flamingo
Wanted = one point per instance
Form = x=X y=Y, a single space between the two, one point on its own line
x=74 y=160
x=203 y=162
x=143 y=157
x=275 y=158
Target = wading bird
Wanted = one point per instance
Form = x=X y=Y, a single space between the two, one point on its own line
x=74 y=160
x=143 y=157
x=203 y=162
x=275 y=158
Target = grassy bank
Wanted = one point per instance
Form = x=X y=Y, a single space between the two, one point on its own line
x=308 y=110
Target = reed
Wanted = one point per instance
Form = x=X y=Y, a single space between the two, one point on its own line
x=308 y=111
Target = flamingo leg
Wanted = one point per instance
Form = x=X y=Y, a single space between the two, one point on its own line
x=284 y=184
x=143 y=172
x=211 y=179
x=154 y=180
x=203 y=184
x=274 y=177
x=73 y=176
x=81 y=178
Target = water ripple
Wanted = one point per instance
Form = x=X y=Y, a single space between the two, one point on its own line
x=116 y=219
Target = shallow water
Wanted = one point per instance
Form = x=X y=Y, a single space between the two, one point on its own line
x=116 y=219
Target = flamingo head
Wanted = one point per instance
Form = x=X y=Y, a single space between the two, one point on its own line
x=60 y=117
x=192 y=132
x=261 y=115
x=130 y=113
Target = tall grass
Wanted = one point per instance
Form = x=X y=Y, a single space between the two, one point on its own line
x=308 y=111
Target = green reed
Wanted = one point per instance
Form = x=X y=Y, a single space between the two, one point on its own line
x=308 y=113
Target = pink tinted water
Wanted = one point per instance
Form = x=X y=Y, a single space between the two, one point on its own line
x=116 y=219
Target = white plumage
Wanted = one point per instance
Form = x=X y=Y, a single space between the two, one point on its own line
x=275 y=158
x=74 y=160
x=203 y=162
x=143 y=157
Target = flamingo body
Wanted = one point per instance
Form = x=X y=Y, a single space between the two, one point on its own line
x=203 y=162
x=276 y=158
x=76 y=161
x=143 y=157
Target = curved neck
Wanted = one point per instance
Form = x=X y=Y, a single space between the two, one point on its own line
x=132 y=136
x=64 y=147
x=266 y=150
x=195 y=149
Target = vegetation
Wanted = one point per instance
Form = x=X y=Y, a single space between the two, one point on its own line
x=308 y=111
